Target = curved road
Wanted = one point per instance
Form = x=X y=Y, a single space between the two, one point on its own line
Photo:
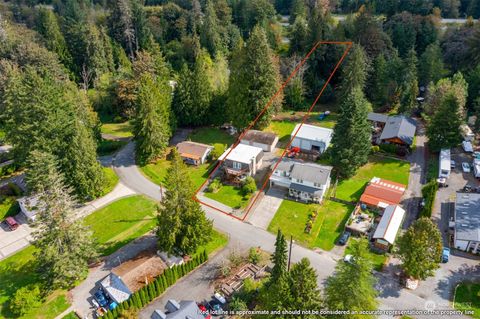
x=434 y=291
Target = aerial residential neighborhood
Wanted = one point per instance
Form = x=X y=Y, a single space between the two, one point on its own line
x=188 y=159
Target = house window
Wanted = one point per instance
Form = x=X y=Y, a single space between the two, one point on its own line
x=237 y=165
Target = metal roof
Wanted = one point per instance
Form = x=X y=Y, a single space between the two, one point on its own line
x=242 y=153
x=467 y=216
x=390 y=223
x=377 y=117
x=401 y=127
x=313 y=133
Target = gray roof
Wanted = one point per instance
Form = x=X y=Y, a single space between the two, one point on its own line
x=188 y=310
x=304 y=188
x=267 y=138
x=401 y=127
x=467 y=216
x=377 y=117
x=311 y=172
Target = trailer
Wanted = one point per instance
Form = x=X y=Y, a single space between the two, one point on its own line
x=444 y=163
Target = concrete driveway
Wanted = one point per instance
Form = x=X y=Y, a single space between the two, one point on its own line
x=263 y=213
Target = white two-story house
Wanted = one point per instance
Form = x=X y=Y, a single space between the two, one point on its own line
x=304 y=181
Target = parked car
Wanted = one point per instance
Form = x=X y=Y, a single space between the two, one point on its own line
x=100 y=298
x=11 y=223
x=466 y=167
x=445 y=254
x=467 y=188
x=453 y=164
x=442 y=182
x=344 y=238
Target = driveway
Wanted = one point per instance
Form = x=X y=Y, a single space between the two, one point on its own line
x=263 y=213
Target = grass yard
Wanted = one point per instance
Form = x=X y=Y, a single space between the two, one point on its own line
x=8 y=206
x=378 y=260
x=283 y=129
x=217 y=241
x=70 y=315
x=158 y=171
x=111 y=180
x=230 y=196
x=467 y=298
x=127 y=219
x=291 y=218
x=117 y=129
x=386 y=168
x=18 y=271
x=212 y=136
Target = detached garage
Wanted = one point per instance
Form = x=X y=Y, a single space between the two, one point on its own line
x=311 y=138
x=264 y=140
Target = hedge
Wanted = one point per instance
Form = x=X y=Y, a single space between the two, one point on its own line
x=428 y=192
x=152 y=290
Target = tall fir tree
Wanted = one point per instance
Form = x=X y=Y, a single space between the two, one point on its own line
x=352 y=286
x=431 y=67
x=444 y=128
x=64 y=245
x=182 y=225
x=254 y=80
x=210 y=35
x=378 y=89
x=410 y=83
x=152 y=123
x=279 y=258
x=355 y=71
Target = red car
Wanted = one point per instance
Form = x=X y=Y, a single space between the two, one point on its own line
x=11 y=223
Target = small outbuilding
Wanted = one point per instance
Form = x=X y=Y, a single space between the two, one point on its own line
x=311 y=138
x=193 y=153
x=381 y=193
x=264 y=140
x=388 y=227
x=29 y=207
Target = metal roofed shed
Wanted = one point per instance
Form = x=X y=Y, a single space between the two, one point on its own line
x=467 y=222
x=380 y=193
x=388 y=226
x=444 y=168
x=311 y=138
x=265 y=140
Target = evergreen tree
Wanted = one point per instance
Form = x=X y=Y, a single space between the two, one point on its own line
x=41 y=166
x=152 y=123
x=193 y=93
x=444 y=129
x=64 y=245
x=49 y=28
x=351 y=135
x=304 y=293
x=299 y=36
x=410 y=83
x=254 y=80
x=352 y=286
x=420 y=248
x=121 y=25
x=182 y=225
x=83 y=171
x=431 y=67
x=279 y=258
x=210 y=36
x=378 y=91
x=355 y=71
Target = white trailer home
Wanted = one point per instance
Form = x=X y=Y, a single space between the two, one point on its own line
x=444 y=163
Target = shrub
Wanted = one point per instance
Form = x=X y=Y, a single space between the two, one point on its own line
x=428 y=192
x=8 y=169
x=388 y=148
x=25 y=300
x=237 y=304
x=14 y=189
x=217 y=151
x=214 y=186
x=249 y=186
x=375 y=149
x=254 y=255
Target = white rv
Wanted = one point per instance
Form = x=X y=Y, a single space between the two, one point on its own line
x=444 y=163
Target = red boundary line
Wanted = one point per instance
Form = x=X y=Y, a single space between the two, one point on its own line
x=269 y=103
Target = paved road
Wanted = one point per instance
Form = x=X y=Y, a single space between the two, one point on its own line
x=416 y=179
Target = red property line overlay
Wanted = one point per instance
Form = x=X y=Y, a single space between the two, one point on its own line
x=269 y=103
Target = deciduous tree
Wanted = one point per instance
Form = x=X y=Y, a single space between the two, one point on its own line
x=420 y=249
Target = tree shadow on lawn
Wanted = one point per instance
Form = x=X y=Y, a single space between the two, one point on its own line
x=446 y=286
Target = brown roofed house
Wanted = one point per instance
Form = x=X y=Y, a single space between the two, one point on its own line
x=132 y=275
x=381 y=193
x=194 y=153
x=264 y=140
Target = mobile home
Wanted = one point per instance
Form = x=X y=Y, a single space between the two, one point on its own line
x=445 y=162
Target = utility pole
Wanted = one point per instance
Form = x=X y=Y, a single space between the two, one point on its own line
x=290 y=252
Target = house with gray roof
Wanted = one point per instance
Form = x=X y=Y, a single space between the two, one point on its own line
x=467 y=222
x=306 y=182
x=396 y=129
x=185 y=309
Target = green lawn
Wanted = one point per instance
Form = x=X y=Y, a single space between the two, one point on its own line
x=8 y=206
x=18 y=271
x=291 y=218
x=386 y=168
x=70 y=315
x=111 y=180
x=107 y=147
x=467 y=297
x=121 y=222
x=158 y=171
x=378 y=260
x=117 y=129
x=283 y=129
x=217 y=241
x=216 y=137
x=230 y=196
